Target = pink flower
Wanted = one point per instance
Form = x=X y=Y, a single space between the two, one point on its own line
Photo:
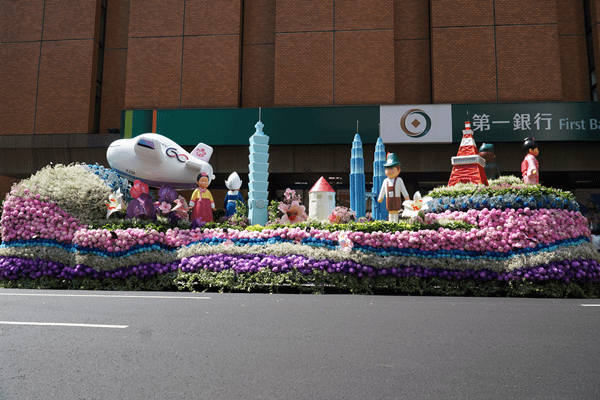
x=345 y=242
x=181 y=208
x=334 y=218
x=341 y=215
x=164 y=207
x=293 y=213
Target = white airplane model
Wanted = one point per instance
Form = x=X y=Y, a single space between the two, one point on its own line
x=159 y=161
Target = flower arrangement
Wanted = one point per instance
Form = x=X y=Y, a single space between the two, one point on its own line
x=416 y=207
x=240 y=218
x=113 y=180
x=142 y=206
x=500 y=187
x=292 y=212
x=40 y=239
x=341 y=215
x=502 y=193
x=73 y=188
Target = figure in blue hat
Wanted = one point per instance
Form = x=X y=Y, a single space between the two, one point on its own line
x=393 y=187
x=486 y=151
x=233 y=183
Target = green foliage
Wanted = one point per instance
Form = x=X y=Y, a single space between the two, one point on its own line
x=371 y=226
x=499 y=187
x=241 y=209
x=239 y=220
x=317 y=282
x=160 y=225
x=218 y=214
x=164 y=282
x=273 y=211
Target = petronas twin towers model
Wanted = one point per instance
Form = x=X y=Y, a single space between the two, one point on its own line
x=358 y=195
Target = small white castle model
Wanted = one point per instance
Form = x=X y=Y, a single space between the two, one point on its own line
x=321 y=200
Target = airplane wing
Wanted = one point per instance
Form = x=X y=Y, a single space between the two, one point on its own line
x=200 y=166
x=193 y=165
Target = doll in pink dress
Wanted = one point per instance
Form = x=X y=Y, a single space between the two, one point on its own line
x=530 y=165
x=202 y=202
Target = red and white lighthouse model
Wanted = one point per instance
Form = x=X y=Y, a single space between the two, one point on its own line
x=467 y=166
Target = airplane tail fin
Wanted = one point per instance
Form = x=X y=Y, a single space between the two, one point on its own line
x=202 y=152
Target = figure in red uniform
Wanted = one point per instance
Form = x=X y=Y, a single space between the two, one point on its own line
x=530 y=165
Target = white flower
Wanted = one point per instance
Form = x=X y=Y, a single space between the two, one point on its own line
x=412 y=208
x=115 y=203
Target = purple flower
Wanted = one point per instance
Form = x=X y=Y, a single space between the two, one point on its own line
x=142 y=207
x=167 y=194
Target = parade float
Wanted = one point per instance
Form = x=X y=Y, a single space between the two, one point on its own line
x=88 y=227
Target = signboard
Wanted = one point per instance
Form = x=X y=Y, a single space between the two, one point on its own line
x=284 y=126
x=515 y=122
x=416 y=123
x=421 y=123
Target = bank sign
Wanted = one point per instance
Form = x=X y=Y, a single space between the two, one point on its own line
x=416 y=123
x=491 y=122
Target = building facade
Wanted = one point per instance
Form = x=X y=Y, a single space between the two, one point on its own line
x=70 y=69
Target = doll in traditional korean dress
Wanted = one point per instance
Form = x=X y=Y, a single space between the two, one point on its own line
x=530 y=165
x=202 y=202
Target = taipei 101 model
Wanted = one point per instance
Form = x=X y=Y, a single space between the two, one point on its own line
x=258 y=176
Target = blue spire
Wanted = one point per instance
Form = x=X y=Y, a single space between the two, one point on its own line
x=379 y=211
x=357 y=178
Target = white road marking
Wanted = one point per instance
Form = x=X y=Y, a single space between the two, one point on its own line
x=590 y=305
x=64 y=324
x=104 y=295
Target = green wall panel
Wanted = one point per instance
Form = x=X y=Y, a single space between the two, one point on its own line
x=294 y=125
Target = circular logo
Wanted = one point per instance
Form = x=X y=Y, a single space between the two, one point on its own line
x=260 y=203
x=415 y=123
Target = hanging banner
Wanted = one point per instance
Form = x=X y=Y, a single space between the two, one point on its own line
x=416 y=123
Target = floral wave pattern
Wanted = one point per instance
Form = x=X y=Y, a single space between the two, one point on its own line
x=514 y=237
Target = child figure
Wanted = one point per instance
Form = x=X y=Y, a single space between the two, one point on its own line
x=491 y=168
x=392 y=186
x=202 y=202
x=530 y=165
x=233 y=183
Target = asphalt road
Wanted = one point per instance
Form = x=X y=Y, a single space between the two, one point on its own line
x=139 y=345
